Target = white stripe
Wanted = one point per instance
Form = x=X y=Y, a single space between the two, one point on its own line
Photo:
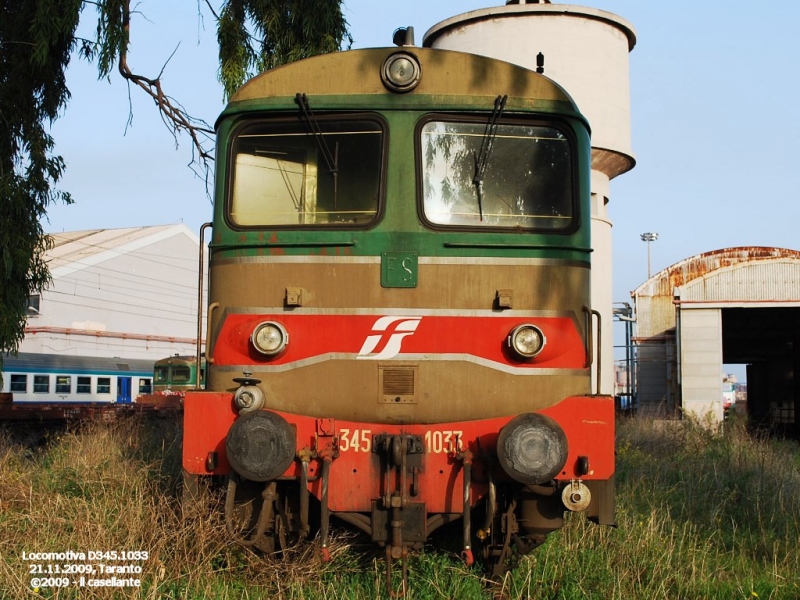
x=483 y=362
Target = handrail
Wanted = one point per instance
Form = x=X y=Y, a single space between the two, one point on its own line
x=589 y=343
x=599 y=347
x=203 y=228
x=211 y=308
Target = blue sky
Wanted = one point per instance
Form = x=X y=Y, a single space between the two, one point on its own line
x=714 y=126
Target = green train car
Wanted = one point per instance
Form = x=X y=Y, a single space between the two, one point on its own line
x=176 y=374
x=399 y=331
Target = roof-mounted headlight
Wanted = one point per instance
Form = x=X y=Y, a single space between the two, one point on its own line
x=401 y=72
x=526 y=341
x=270 y=338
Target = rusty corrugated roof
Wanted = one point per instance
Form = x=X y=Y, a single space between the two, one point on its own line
x=735 y=275
x=664 y=282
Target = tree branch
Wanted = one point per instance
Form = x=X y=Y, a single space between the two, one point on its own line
x=174 y=116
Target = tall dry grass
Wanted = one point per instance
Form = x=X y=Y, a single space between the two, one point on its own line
x=114 y=487
x=103 y=487
x=701 y=514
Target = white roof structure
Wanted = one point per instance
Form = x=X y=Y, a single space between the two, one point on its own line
x=128 y=293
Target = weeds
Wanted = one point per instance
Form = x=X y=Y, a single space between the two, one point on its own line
x=700 y=514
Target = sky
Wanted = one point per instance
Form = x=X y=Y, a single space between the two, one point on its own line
x=714 y=127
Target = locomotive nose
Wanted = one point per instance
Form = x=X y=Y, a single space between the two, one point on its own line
x=261 y=445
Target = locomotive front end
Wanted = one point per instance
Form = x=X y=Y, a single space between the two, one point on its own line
x=399 y=329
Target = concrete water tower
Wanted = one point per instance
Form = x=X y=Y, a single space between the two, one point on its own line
x=586 y=52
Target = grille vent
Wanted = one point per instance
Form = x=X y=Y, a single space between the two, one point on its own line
x=398 y=384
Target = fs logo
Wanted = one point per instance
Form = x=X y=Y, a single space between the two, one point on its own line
x=403 y=326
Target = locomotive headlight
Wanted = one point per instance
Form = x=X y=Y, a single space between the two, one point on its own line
x=401 y=72
x=526 y=340
x=532 y=448
x=270 y=338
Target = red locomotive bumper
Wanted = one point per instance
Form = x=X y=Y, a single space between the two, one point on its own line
x=436 y=452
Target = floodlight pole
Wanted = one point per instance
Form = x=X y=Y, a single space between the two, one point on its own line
x=649 y=237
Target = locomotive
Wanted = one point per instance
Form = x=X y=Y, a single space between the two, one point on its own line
x=399 y=332
x=176 y=374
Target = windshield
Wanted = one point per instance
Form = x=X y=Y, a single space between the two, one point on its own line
x=161 y=374
x=181 y=374
x=284 y=174
x=520 y=177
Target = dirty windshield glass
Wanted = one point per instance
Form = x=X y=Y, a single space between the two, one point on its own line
x=520 y=177
x=285 y=174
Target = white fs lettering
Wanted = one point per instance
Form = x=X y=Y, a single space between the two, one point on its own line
x=403 y=326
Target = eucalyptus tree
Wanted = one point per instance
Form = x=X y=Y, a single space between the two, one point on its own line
x=37 y=41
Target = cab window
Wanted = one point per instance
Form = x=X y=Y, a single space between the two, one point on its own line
x=296 y=174
x=181 y=375
x=517 y=176
x=161 y=374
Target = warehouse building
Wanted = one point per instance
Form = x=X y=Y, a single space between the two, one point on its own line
x=128 y=293
x=729 y=306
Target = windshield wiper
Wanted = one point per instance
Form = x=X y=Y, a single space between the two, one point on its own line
x=331 y=159
x=487 y=143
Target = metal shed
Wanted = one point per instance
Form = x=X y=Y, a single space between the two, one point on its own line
x=735 y=305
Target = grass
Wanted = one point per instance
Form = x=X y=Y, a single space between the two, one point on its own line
x=701 y=514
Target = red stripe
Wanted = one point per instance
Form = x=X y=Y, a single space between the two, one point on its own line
x=483 y=337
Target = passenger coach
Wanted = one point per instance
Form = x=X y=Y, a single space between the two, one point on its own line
x=55 y=378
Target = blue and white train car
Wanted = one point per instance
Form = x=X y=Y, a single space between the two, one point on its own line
x=54 y=378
